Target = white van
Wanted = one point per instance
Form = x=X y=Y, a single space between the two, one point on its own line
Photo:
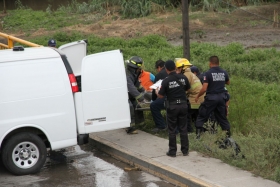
x=42 y=106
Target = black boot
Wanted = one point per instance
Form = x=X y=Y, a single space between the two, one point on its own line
x=198 y=133
x=228 y=134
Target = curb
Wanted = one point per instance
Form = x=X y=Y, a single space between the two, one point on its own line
x=165 y=172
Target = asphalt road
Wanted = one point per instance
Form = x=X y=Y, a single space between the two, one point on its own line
x=82 y=166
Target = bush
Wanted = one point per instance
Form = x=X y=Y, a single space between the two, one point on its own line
x=136 y=8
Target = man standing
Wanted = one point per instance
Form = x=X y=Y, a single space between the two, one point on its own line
x=183 y=67
x=134 y=92
x=174 y=87
x=158 y=103
x=215 y=100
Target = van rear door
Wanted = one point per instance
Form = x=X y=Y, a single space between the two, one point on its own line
x=75 y=53
x=104 y=92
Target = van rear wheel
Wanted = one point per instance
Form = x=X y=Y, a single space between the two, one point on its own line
x=24 y=153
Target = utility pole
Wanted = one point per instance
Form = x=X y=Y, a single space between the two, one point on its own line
x=4 y=3
x=186 y=29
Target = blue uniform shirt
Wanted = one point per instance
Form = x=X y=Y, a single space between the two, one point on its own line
x=216 y=78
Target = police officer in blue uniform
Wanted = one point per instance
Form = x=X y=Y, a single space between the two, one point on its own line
x=174 y=87
x=214 y=81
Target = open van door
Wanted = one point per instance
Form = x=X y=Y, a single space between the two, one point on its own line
x=75 y=53
x=104 y=92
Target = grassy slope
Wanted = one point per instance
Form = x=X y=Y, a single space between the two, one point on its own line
x=254 y=86
x=254 y=107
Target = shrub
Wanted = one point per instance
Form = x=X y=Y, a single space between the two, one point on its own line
x=136 y=8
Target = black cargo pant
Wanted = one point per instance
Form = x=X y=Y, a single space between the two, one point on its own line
x=137 y=117
x=192 y=115
x=213 y=103
x=177 y=115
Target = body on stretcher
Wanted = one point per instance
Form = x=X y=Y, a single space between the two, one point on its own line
x=143 y=106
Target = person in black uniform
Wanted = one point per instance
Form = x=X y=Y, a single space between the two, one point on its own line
x=174 y=87
x=214 y=81
x=158 y=103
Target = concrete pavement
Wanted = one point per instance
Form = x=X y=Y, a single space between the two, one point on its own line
x=147 y=152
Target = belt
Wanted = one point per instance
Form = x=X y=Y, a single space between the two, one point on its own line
x=215 y=93
x=178 y=101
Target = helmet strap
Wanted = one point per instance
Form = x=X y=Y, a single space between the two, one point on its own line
x=183 y=70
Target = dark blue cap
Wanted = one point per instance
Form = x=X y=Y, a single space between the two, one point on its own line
x=170 y=65
x=195 y=69
x=52 y=43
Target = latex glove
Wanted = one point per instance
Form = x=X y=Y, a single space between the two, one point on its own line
x=141 y=99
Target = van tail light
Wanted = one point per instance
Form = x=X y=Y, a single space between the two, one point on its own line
x=73 y=82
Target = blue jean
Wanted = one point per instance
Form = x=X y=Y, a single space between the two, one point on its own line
x=156 y=106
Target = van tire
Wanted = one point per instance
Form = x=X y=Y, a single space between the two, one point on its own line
x=24 y=153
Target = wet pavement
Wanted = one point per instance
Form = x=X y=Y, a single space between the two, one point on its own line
x=147 y=151
x=82 y=166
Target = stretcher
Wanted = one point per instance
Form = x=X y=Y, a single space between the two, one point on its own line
x=143 y=106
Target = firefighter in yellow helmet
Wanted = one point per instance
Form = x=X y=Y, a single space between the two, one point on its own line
x=183 y=67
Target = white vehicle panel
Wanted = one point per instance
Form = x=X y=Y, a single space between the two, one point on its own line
x=75 y=53
x=8 y=55
x=104 y=92
x=79 y=113
x=37 y=93
x=23 y=85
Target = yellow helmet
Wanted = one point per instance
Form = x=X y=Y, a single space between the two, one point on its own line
x=182 y=62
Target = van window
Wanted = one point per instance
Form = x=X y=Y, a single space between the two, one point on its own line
x=31 y=79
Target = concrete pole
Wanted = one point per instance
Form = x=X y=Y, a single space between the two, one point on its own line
x=4 y=3
x=186 y=29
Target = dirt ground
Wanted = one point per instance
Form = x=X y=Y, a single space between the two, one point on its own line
x=251 y=30
x=255 y=30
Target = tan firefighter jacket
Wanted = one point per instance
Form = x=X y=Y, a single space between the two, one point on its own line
x=194 y=90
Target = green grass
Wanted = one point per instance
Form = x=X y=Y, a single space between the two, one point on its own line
x=23 y=19
x=27 y=20
x=254 y=89
x=254 y=107
x=196 y=15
